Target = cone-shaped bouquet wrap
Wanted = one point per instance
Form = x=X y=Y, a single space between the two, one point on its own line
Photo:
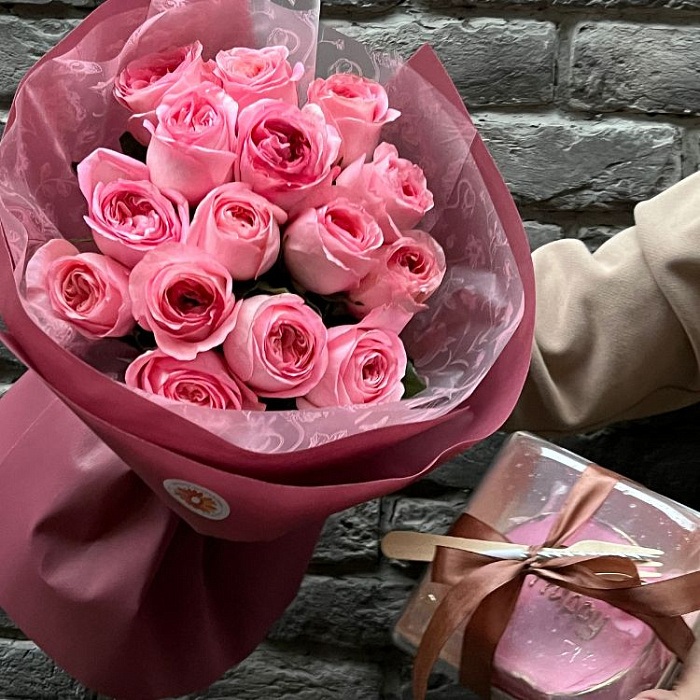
x=151 y=544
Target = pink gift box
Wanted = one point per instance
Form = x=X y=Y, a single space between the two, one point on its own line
x=560 y=644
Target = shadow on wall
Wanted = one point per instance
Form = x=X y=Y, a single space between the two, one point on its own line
x=663 y=452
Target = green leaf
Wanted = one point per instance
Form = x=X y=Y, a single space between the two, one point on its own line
x=413 y=384
x=262 y=286
x=265 y=287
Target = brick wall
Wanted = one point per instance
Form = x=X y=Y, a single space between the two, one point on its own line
x=588 y=106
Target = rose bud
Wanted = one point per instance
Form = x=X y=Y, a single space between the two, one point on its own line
x=287 y=154
x=193 y=147
x=390 y=186
x=239 y=228
x=330 y=249
x=204 y=381
x=358 y=107
x=277 y=346
x=87 y=290
x=249 y=75
x=409 y=271
x=365 y=365
x=127 y=213
x=141 y=85
x=183 y=295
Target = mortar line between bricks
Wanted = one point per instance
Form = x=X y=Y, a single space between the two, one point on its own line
x=691 y=152
x=637 y=16
x=576 y=219
x=630 y=15
x=562 y=58
x=582 y=116
x=38 y=12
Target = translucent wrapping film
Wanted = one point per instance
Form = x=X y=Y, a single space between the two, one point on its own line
x=66 y=109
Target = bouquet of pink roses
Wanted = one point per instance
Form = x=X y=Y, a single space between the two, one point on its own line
x=222 y=205
x=230 y=320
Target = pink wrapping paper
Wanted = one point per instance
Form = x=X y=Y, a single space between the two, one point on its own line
x=139 y=593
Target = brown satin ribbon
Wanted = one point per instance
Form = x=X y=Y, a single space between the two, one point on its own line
x=483 y=591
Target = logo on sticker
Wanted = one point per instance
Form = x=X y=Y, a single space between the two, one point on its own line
x=197 y=499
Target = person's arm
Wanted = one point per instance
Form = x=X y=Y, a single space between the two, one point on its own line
x=617 y=334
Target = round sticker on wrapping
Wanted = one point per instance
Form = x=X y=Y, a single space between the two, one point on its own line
x=197 y=499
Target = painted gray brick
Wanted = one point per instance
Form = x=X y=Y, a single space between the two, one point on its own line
x=595 y=236
x=540 y=234
x=603 y=5
x=351 y=536
x=434 y=515
x=26 y=672
x=87 y=4
x=347 y=611
x=272 y=672
x=353 y=8
x=25 y=41
x=556 y=163
x=635 y=67
x=10 y=367
x=491 y=61
x=8 y=629
x=594 y=6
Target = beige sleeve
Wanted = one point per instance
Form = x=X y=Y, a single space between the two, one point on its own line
x=617 y=332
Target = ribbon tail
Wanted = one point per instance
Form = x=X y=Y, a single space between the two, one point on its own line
x=675 y=634
x=482 y=635
x=457 y=607
x=672 y=597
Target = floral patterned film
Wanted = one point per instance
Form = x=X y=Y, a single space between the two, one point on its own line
x=469 y=320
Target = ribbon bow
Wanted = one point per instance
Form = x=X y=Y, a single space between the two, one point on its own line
x=484 y=591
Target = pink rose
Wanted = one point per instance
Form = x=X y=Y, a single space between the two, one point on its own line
x=142 y=84
x=239 y=228
x=357 y=107
x=194 y=144
x=144 y=81
x=287 y=154
x=204 y=381
x=183 y=295
x=409 y=271
x=390 y=185
x=249 y=75
x=277 y=346
x=331 y=249
x=127 y=213
x=89 y=291
x=366 y=363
